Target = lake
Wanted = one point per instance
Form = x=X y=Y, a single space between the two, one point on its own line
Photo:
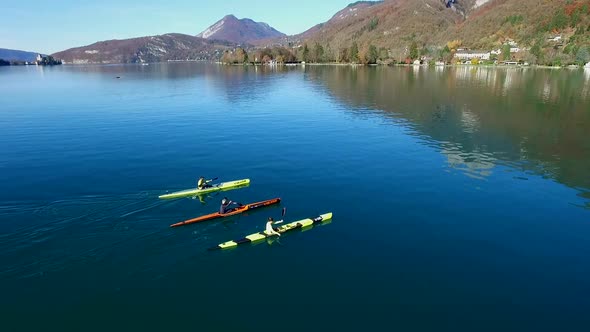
x=461 y=198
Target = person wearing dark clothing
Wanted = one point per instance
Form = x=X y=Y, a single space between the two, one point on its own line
x=225 y=205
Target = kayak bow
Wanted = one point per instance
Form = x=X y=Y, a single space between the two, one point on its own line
x=220 y=186
x=282 y=229
x=232 y=212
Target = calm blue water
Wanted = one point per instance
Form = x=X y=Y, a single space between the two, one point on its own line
x=461 y=198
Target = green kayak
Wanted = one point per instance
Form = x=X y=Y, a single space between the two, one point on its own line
x=216 y=187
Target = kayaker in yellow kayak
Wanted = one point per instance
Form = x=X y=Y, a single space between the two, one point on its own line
x=269 y=229
x=202 y=183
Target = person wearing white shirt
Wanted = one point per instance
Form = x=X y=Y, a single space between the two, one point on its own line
x=269 y=229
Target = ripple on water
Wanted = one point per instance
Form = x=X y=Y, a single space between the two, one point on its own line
x=74 y=231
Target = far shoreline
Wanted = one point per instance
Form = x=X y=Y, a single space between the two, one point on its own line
x=336 y=64
x=299 y=64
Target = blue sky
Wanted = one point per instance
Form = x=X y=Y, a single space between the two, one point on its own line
x=51 y=26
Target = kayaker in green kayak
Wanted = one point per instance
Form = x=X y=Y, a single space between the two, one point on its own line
x=202 y=183
x=225 y=205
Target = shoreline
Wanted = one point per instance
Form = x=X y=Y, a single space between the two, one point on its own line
x=404 y=65
x=337 y=64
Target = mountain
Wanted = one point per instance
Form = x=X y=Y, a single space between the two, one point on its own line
x=172 y=46
x=240 y=31
x=16 y=55
x=347 y=14
x=549 y=32
x=396 y=24
x=387 y=24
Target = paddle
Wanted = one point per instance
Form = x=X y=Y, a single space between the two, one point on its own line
x=239 y=204
x=282 y=216
x=209 y=181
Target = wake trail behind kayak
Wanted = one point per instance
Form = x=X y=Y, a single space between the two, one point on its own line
x=75 y=230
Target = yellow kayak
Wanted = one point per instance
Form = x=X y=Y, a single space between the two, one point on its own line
x=282 y=229
x=216 y=187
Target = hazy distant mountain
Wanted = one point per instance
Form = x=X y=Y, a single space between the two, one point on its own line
x=232 y=29
x=16 y=55
x=172 y=46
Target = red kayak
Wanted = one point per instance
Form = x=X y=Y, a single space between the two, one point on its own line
x=232 y=212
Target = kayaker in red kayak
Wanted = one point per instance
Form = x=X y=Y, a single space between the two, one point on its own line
x=225 y=205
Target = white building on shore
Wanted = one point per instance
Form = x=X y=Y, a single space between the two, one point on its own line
x=463 y=54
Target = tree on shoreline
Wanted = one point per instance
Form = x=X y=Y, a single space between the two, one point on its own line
x=414 y=50
x=318 y=53
x=383 y=54
x=373 y=54
x=536 y=51
x=305 y=55
x=445 y=54
x=238 y=56
x=241 y=55
x=343 y=55
x=506 y=52
x=583 y=56
x=329 y=54
x=354 y=53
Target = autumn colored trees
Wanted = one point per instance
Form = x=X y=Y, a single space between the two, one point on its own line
x=318 y=53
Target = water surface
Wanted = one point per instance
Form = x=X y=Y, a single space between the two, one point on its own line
x=461 y=198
